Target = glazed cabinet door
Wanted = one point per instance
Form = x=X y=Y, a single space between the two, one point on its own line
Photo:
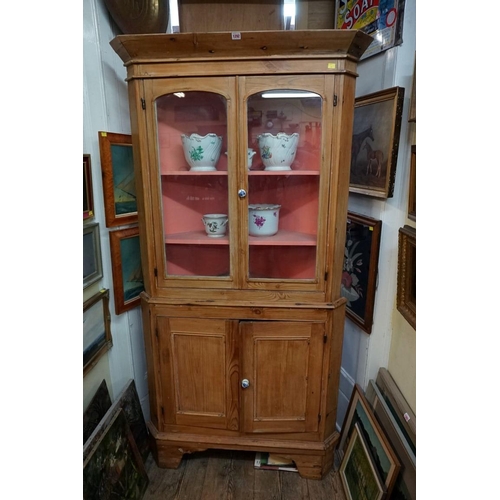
x=285 y=213
x=190 y=126
x=198 y=372
x=281 y=376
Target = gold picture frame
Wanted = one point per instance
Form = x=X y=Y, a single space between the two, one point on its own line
x=375 y=142
x=406 y=300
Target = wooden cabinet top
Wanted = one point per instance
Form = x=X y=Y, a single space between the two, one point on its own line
x=146 y=48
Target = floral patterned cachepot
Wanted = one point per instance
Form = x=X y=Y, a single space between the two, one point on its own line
x=202 y=152
x=263 y=219
x=278 y=151
x=215 y=224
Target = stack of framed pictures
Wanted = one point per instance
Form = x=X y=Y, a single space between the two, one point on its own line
x=377 y=443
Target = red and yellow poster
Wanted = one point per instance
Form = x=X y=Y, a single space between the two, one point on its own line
x=382 y=19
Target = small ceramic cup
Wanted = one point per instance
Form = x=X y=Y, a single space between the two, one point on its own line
x=215 y=224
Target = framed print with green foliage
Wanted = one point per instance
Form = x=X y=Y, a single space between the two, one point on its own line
x=375 y=142
x=96 y=329
x=128 y=281
x=118 y=178
x=412 y=192
x=359 y=476
x=359 y=276
x=114 y=468
x=92 y=257
x=359 y=412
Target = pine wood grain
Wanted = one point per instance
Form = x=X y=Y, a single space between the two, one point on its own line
x=230 y=475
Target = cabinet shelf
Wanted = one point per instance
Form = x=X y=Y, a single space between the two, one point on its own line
x=282 y=238
x=251 y=173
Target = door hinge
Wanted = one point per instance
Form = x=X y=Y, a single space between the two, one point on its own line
x=162 y=411
x=334 y=100
x=326 y=276
x=143 y=103
x=319 y=418
x=156 y=272
x=156 y=332
x=325 y=338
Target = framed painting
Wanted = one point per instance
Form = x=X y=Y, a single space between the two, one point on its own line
x=118 y=178
x=88 y=195
x=358 y=474
x=96 y=409
x=407 y=274
x=382 y=20
x=412 y=192
x=114 y=468
x=412 y=113
x=401 y=410
x=92 y=257
x=375 y=142
x=128 y=401
x=128 y=281
x=406 y=483
x=96 y=329
x=385 y=459
x=359 y=276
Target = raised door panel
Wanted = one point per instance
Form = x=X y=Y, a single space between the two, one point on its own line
x=198 y=372
x=282 y=362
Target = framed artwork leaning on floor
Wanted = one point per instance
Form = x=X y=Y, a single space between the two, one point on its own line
x=359 y=412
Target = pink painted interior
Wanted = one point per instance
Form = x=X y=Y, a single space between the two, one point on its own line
x=187 y=196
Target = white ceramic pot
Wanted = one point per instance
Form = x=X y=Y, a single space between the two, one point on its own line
x=263 y=219
x=202 y=152
x=278 y=151
x=215 y=224
x=250 y=155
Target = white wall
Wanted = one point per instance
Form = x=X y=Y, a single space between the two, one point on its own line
x=364 y=354
x=105 y=108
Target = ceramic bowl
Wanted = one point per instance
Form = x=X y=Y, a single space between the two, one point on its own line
x=215 y=224
x=263 y=219
x=202 y=152
x=278 y=151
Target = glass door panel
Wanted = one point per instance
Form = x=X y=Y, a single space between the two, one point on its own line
x=192 y=141
x=284 y=129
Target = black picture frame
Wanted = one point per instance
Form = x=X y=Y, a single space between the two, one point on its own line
x=359 y=275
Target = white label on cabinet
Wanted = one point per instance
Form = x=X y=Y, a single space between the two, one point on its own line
x=235 y=35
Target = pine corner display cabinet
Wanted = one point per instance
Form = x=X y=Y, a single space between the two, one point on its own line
x=242 y=143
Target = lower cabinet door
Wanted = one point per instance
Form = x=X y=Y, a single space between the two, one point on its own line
x=281 y=365
x=198 y=372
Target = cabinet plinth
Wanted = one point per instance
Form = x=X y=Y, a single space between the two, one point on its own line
x=243 y=332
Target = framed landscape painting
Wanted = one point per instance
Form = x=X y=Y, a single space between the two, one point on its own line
x=375 y=142
x=128 y=281
x=96 y=329
x=359 y=476
x=385 y=459
x=118 y=179
x=359 y=275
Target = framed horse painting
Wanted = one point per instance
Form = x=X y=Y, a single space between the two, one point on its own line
x=375 y=142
